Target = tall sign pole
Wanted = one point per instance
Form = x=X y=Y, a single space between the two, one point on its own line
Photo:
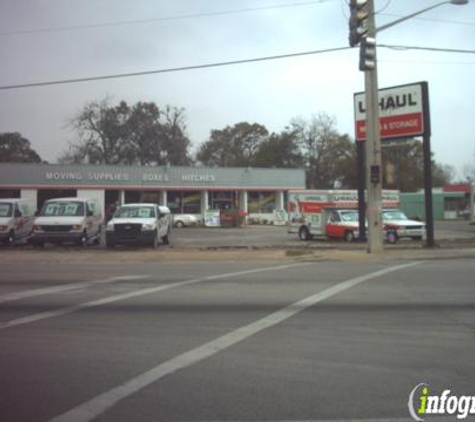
x=363 y=33
x=373 y=142
x=430 y=242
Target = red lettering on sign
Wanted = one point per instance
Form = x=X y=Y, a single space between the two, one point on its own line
x=394 y=126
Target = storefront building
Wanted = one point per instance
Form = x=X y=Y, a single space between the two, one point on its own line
x=185 y=190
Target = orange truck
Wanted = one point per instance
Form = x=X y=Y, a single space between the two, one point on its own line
x=329 y=213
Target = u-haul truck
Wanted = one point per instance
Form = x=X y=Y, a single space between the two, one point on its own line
x=329 y=213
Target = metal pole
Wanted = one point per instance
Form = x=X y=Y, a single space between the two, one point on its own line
x=373 y=149
x=428 y=193
x=360 y=171
x=405 y=18
x=430 y=242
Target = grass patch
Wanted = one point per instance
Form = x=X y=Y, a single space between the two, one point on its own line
x=297 y=252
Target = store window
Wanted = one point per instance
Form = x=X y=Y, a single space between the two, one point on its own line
x=222 y=200
x=261 y=202
x=191 y=202
x=133 y=197
x=151 y=197
x=174 y=201
x=184 y=202
x=10 y=193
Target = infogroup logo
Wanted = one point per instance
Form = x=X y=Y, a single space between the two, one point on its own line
x=422 y=403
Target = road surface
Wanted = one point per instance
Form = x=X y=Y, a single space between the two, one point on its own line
x=232 y=341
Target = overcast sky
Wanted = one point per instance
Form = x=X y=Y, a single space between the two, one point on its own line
x=158 y=34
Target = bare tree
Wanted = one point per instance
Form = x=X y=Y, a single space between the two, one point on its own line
x=140 y=134
x=328 y=155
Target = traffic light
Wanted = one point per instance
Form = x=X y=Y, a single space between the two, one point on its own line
x=367 y=53
x=358 y=20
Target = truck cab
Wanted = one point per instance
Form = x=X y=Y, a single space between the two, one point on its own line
x=343 y=224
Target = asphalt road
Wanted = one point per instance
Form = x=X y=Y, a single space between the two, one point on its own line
x=232 y=341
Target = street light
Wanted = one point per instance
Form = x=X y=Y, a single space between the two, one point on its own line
x=373 y=140
x=405 y=18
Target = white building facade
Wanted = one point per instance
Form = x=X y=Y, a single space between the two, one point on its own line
x=185 y=190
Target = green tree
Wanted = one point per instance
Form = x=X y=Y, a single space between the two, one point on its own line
x=442 y=174
x=233 y=146
x=279 y=150
x=16 y=149
x=329 y=157
x=403 y=168
x=139 y=134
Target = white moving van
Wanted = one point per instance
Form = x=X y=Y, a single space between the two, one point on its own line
x=16 y=219
x=143 y=224
x=67 y=220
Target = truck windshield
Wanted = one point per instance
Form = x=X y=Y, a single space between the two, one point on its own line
x=5 y=209
x=394 y=215
x=349 y=216
x=63 y=209
x=135 y=212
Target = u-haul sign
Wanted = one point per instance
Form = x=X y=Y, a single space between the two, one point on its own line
x=401 y=112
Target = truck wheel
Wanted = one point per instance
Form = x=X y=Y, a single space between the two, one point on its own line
x=304 y=233
x=166 y=238
x=349 y=236
x=391 y=236
x=98 y=238
x=10 y=240
x=82 y=240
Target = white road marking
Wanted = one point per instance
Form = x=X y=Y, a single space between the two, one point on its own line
x=96 y=406
x=9 y=297
x=123 y=296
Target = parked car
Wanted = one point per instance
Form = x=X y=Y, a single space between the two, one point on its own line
x=397 y=226
x=67 y=220
x=139 y=224
x=183 y=220
x=16 y=219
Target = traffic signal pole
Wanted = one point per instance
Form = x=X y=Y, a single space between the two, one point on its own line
x=373 y=148
x=363 y=32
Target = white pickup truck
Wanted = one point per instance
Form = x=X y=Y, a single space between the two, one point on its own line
x=397 y=226
x=143 y=224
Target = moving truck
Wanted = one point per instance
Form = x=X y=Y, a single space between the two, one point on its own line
x=329 y=213
x=16 y=219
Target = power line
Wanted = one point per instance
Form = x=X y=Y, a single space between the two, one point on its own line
x=163 y=19
x=171 y=70
x=222 y=64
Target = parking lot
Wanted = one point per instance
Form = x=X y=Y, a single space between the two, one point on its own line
x=453 y=233
x=278 y=237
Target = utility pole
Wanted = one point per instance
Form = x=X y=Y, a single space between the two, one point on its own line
x=363 y=33
x=373 y=140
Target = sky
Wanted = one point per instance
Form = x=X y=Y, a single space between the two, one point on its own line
x=56 y=40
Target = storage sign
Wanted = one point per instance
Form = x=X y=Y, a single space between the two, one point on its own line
x=401 y=112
